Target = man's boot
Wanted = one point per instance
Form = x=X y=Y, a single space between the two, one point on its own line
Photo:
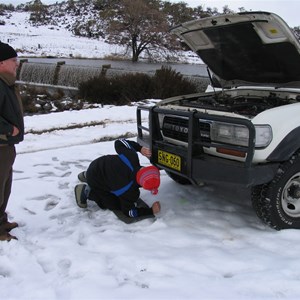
x=5 y=236
x=8 y=226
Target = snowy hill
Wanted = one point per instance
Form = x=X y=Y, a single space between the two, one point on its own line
x=57 y=38
x=50 y=40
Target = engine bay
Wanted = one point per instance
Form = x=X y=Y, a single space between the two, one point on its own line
x=245 y=104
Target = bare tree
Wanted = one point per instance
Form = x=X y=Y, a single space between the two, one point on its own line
x=138 y=24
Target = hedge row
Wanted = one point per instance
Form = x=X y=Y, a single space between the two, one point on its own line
x=127 y=88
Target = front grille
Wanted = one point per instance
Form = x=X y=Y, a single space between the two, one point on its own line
x=177 y=128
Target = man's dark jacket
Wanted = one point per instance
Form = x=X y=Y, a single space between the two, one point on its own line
x=10 y=114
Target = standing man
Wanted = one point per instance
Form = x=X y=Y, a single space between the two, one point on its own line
x=11 y=131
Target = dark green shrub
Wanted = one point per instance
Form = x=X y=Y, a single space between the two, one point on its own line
x=117 y=90
x=168 y=83
x=136 y=87
x=127 y=88
x=101 y=90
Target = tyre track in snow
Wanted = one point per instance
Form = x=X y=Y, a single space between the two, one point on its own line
x=75 y=126
x=68 y=136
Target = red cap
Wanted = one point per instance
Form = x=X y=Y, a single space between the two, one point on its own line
x=149 y=178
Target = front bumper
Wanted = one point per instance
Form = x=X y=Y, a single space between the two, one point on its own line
x=196 y=165
x=206 y=168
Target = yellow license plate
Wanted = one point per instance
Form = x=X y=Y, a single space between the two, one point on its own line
x=170 y=160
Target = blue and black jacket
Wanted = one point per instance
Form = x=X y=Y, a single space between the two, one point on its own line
x=112 y=179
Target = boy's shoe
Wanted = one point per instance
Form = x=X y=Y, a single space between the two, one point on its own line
x=80 y=195
x=82 y=176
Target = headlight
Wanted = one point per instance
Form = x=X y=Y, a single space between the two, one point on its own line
x=229 y=134
x=239 y=135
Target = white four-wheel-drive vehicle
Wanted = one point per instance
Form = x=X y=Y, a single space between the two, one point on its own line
x=248 y=130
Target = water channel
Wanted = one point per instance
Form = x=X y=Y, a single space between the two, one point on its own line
x=185 y=69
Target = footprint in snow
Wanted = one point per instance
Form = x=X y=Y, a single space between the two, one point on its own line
x=64 y=266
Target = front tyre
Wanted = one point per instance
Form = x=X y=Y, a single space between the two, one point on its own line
x=277 y=203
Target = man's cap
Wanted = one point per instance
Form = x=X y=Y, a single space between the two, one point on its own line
x=6 y=52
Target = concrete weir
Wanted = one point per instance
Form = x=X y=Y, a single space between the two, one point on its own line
x=58 y=74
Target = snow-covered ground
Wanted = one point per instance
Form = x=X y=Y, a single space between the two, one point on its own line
x=206 y=243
